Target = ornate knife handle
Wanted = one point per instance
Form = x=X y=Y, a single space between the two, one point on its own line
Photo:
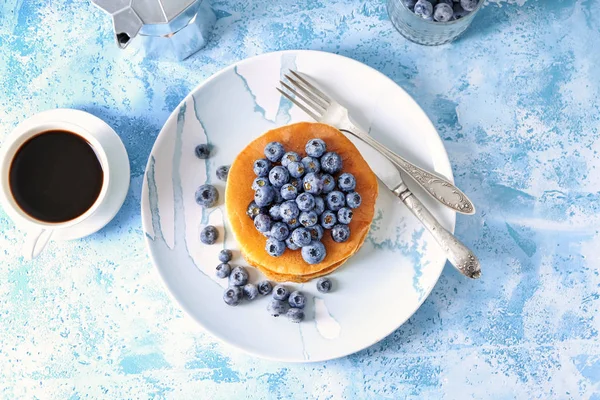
x=458 y=254
x=438 y=187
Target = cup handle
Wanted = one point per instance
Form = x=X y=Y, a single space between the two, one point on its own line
x=35 y=242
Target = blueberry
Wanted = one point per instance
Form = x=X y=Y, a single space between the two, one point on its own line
x=346 y=182
x=262 y=223
x=328 y=219
x=274 y=212
x=207 y=196
x=331 y=162
x=297 y=299
x=233 y=296
x=295 y=315
x=274 y=247
x=288 y=192
x=328 y=183
x=319 y=205
x=264 y=288
x=316 y=232
x=344 y=215
x=209 y=235
x=225 y=256
x=223 y=172
x=449 y=2
x=314 y=253
x=276 y=307
x=288 y=158
x=280 y=231
x=261 y=167
x=353 y=200
x=308 y=218
x=250 y=291
x=264 y=196
x=279 y=176
x=305 y=201
x=290 y=244
x=340 y=233
x=301 y=237
x=223 y=270
x=312 y=183
x=324 y=285
x=254 y=210
x=469 y=5
x=296 y=169
x=281 y=293
x=260 y=182
x=202 y=151
x=274 y=151
x=311 y=164
x=315 y=148
x=335 y=200
x=443 y=12
x=410 y=3
x=238 y=277
x=293 y=223
x=423 y=9
x=289 y=210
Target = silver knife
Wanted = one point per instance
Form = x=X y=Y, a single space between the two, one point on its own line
x=458 y=254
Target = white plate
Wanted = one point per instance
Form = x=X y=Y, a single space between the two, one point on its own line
x=376 y=291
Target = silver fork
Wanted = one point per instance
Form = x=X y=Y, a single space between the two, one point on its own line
x=325 y=109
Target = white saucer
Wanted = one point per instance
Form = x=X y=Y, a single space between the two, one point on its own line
x=118 y=178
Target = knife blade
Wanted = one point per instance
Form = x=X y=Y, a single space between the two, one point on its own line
x=461 y=257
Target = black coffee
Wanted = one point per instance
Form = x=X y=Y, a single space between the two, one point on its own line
x=56 y=176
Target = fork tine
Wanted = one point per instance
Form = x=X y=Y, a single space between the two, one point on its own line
x=307 y=92
x=293 y=100
x=314 y=106
x=311 y=87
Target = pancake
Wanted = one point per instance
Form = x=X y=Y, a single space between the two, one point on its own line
x=294 y=278
x=239 y=194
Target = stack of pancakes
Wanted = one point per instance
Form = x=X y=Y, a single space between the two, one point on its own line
x=239 y=194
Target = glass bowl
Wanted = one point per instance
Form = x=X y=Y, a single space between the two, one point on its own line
x=422 y=31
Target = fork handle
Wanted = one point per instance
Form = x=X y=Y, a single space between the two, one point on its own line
x=438 y=187
x=458 y=254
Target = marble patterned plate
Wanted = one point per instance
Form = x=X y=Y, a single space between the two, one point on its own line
x=376 y=291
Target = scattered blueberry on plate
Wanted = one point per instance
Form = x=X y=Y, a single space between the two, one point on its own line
x=238 y=276
x=225 y=256
x=250 y=291
x=209 y=234
x=233 y=295
x=223 y=270
x=202 y=151
x=324 y=285
x=264 y=288
x=280 y=293
x=207 y=195
x=297 y=299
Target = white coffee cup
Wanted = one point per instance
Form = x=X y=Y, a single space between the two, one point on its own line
x=38 y=232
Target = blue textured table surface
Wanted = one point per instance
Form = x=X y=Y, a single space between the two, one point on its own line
x=516 y=101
